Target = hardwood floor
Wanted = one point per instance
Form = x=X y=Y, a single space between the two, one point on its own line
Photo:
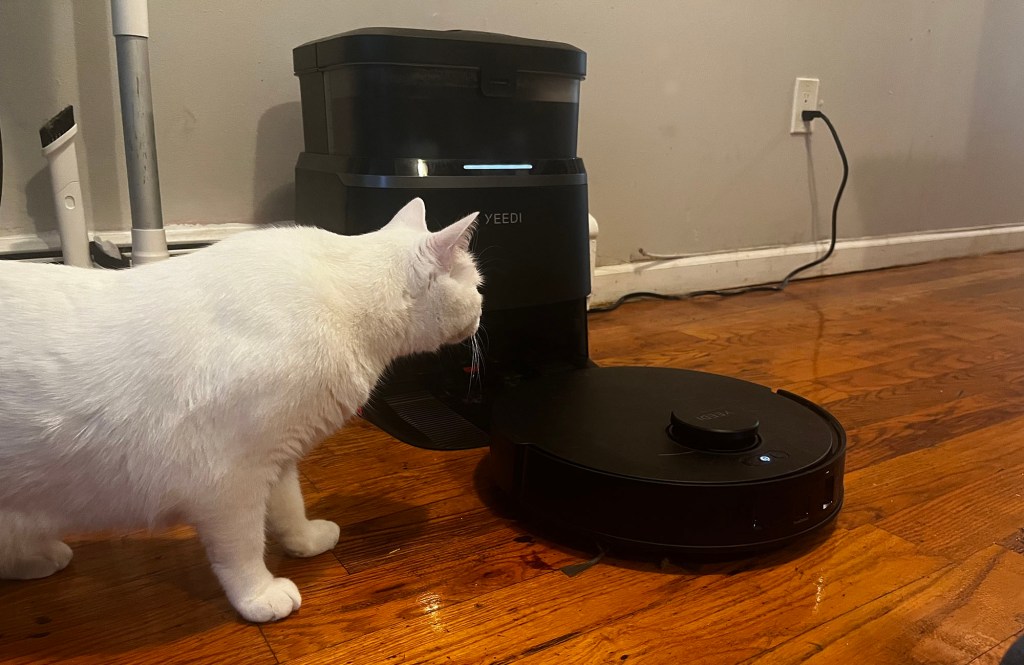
x=923 y=365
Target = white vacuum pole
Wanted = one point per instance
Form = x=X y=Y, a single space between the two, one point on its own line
x=130 y=19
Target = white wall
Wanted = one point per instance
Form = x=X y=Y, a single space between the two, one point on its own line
x=684 y=122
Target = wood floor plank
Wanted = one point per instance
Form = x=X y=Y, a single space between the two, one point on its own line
x=815 y=587
x=925 y=427
x=1009 y=652
x=909 y=481
x=951 y=616
x=1015 y=542
x=133 y=600
x=405 y=533
x=356 y=486
x=953 y=525
x=702 y=607
x=996 y=381
x=925 y=362
x=409 y=587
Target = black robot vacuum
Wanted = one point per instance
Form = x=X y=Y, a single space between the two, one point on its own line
x=628 y=457
x=647 y=458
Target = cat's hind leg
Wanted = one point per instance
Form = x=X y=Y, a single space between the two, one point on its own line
x=29 y=547
x=286 y=517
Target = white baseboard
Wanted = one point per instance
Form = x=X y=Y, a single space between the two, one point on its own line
x=180 y=234
x=721 y=270
x=760 y=266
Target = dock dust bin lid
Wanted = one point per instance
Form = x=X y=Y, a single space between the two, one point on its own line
x=395 y=93
x=449 y=48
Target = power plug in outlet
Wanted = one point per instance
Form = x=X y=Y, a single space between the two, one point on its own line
x=805 y=98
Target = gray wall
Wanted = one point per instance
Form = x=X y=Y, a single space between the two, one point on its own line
x=684 y=123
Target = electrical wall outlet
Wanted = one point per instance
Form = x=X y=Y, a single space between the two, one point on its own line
x=805 y=98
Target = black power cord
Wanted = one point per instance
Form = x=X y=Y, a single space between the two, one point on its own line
x=1 y=166
x=807 y=116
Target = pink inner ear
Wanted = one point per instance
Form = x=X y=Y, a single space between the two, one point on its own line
x=445 y=242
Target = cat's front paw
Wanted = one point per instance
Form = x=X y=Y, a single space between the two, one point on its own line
x=316 y=537
x=279 y=599
x=48 y=559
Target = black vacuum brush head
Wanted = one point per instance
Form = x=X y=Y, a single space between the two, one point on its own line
x=57 y=126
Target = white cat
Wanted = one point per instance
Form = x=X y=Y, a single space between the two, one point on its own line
x=186 y=390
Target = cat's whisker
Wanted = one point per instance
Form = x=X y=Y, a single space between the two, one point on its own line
x=484 y=264
x=480 y=253
x=483 y=338
x=475 y=364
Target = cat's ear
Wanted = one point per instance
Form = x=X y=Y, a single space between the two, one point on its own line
x=412 y=217
x=444 y=243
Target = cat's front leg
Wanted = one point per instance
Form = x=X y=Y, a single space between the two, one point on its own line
x=286 y=517
x=232 y=530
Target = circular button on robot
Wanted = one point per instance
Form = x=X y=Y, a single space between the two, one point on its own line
x=721 y=430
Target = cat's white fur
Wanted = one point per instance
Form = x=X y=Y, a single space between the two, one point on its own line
x=186 y=390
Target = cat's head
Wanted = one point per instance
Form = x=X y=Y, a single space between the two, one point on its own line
x=441 y=291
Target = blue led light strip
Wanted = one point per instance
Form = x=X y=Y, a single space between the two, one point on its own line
x=495 y=167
